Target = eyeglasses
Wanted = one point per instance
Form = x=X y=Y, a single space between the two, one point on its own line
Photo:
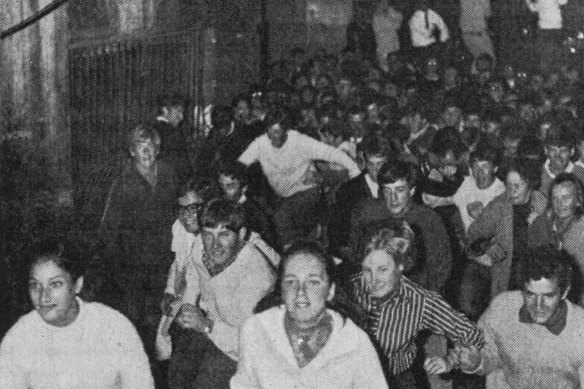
x=191 y=208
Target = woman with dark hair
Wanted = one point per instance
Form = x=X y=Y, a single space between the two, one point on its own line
x=66 y=343
x=302 y=342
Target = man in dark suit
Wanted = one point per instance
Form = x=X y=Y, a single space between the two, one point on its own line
x=174 y=146
x=375 y=153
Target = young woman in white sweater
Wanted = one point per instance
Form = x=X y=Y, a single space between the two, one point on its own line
x=302 y=344
x=66 y=343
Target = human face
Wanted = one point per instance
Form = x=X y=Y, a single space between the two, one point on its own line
x=52 y=291
x=277 y=135
x=144 y=154
x=221 y=244
x=559 y=157
x=397 y=197
x=373 y=164
x=496 y=92
x=380 y=273
x=174 y=115
x=565 y=200
x=242 y=113
x=510 y=147
x=542 y=298
x=190 y=205
x=305 y=289
x=517 y=189
x=472 y=120
x=484 y=173
x=231 y=187
x=344 y=87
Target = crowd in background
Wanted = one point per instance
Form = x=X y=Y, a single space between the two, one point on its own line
x=376 y=218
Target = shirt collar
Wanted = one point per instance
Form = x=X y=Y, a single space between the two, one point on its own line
x=162 y=119
x=552 y=175
x=555 y=324
x=373 y=186
x=391 y=296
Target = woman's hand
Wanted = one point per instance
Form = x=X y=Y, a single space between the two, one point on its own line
x=191 y=317
x=469 y=357
x=437 y=365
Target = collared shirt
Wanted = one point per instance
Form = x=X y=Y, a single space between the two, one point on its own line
x=373 y=186
x=555 y=324
x=395 y=321
x=546 y=166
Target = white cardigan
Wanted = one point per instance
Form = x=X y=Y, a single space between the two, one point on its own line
x=348 y=359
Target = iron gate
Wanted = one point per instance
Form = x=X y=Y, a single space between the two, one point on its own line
x=113 y=87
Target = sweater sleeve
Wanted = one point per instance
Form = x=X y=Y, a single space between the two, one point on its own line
x=369 y=373
x=251 y=154
x=490 y=360
x=321 y=151
x=245 y=377
x=134 y=366
x=12 y=374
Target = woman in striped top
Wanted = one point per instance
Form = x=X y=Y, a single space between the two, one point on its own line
x=399 y=309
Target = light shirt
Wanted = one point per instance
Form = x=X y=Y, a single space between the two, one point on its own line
x=182 y=242
x=550 y=14
x=469 y=193
x=373 y=186
x=421 y=34
x=289 y=168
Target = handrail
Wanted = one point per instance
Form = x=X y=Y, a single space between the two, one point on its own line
x=32 y=19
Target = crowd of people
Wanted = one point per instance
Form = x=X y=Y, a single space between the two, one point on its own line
x=373 y=219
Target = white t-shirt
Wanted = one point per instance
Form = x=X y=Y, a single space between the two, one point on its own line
x=99 y=350
x=182 y=243
x=469 y=193
x=421 y=35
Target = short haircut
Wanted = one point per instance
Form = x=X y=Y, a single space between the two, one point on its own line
x=336 y=128
x=447 y=139
x=312 y=249
x=563 y=178
x=486 y=152
x=546 y=262
x=205 y=188
x=279 y=115
x=221 y=116
x=234 y=170
x=169 y=100
x=531 y=147
x=515 y=129
x=394 y=237
x=143 y=133
x=66 y=255
x=373 y=145
x=394 y=170
x=560 y=136
x=239 y=98
x=528 y=170
x=221 y=212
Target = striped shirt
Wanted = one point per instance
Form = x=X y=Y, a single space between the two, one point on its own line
x=395 y=321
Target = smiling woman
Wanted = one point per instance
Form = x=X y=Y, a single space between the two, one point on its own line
x=66 y=343
x=295 y=344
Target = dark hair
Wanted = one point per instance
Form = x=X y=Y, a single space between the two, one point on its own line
x=563 y=178
x=445 y=140
x=221 y=116
x=395 y=170
x=239 y=98
x=531 y=147
x=279 y=115
x=546 y=262
x=220 y=212
x=64 y=254
x=234 y=170
x=373 y=145
x=313 y=249
x=206 y=189
x=560 y=135
x=528 y=170
x=485 y=152
x=170 y=100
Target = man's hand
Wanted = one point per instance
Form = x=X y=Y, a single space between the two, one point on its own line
x=166 y=304
x=484 y=260
x=474 y=209
x=191 y=317
x=437 y=365
x=469 y=357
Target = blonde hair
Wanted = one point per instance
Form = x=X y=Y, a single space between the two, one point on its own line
x=396 y=238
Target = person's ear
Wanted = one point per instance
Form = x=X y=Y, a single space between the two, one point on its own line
x=79 y=285
x=331 y=293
